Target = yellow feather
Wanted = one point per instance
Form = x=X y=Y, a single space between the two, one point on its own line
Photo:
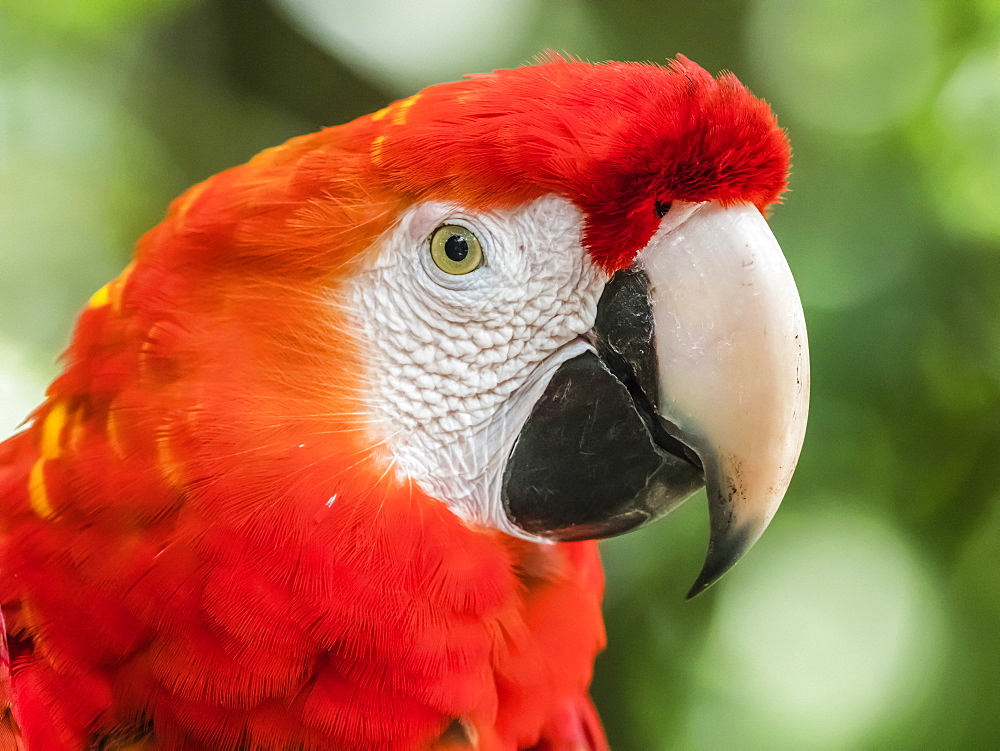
x=100 y=298
x=377 y=149
x=52 y=430
x=38 y=495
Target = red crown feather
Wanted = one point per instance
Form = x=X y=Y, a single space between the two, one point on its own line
x=618 y=139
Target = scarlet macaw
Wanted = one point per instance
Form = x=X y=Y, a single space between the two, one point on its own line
x=326 y=463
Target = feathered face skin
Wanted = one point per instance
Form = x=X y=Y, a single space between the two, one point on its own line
x=303 y=481
x=457 y=361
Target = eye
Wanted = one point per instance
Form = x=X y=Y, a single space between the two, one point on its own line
x=456 y=250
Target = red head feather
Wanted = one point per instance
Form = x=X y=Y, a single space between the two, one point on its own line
x=618 y=139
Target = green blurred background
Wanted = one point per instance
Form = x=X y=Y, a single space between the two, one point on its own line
x=868 y=617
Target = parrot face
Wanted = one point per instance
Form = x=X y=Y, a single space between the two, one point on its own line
x=325 y=465
x=460 y=355
x=492 y=388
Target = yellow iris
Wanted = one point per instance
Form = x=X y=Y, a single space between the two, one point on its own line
x=456 y=250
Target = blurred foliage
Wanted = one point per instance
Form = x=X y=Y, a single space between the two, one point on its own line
x=868 y=617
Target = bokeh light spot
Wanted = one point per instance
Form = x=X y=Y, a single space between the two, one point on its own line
x=965 y=150
x=413 y=44
x=833 y=627
x=64 y=191
x=22 y=386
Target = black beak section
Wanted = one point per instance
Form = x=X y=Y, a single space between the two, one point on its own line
x=594 y=459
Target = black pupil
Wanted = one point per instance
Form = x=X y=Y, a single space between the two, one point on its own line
x=456 y=248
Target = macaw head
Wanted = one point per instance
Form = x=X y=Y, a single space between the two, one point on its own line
x=546 y=297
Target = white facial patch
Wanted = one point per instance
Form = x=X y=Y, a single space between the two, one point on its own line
x=456 y=362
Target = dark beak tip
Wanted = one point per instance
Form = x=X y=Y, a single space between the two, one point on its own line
x=710 y=574
x=697 y=588
x=725 y=548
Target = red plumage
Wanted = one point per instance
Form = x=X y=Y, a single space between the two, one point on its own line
x=617 y=139
x=203 y=547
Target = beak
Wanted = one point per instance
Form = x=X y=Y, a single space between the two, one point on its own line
x=701 y=377
x=733 y=371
